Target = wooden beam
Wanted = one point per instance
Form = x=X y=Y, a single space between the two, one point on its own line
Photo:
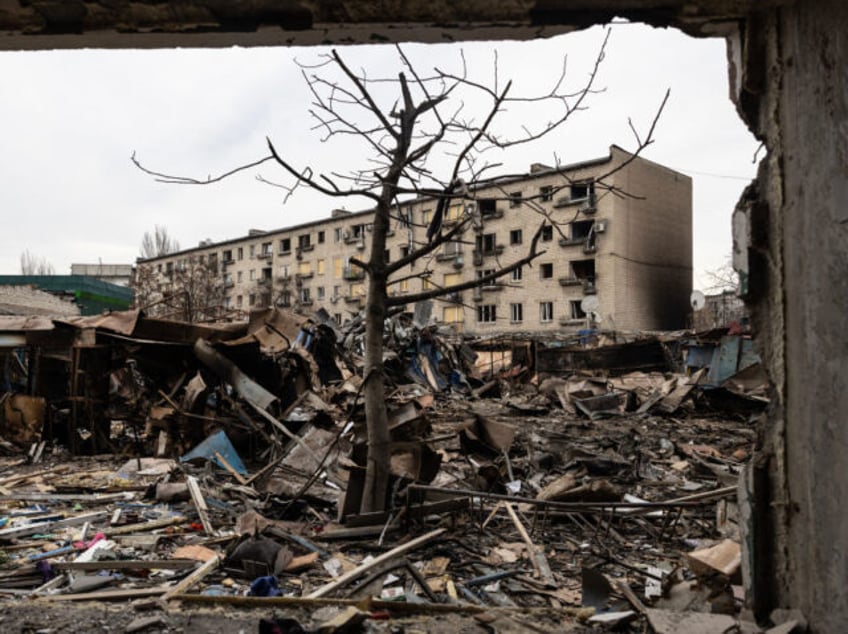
x=374 y=563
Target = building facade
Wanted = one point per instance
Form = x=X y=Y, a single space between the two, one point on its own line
x=617 y=229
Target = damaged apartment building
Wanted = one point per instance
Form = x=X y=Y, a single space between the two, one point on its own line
x=617 y=230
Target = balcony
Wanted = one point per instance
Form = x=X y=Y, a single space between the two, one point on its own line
x=353 y=274
x=304 y=276
x=265 y=255
x=228 y=284
x=589 y=287
x=489 y=287
x=448 y=255
x=306 y=302
x=264 y=281
x=353 y=299
x=492 y=215
x=572 y=321
x=571 y=242
x=589 y=205
x=454 y=298
x=570 y=281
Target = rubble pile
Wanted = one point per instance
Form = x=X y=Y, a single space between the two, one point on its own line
x=519 y=499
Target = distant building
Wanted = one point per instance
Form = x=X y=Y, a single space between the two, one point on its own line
x=720 y=311
x=626 y=242
x=119 y=274
x=91 y=296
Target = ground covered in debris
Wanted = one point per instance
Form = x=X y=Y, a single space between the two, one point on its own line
x=520 y=500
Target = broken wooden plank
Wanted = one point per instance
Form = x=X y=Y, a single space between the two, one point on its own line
x=239 y=477
x=377 y=561
x=200 y=504
x=192 y=579
x=48 y=526
x=106 y=595
x=144 y=527
x=541 y=567
x=126 y=564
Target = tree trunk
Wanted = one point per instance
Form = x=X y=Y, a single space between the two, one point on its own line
x=376 y=417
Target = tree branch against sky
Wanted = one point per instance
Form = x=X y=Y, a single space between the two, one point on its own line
x=432 y=134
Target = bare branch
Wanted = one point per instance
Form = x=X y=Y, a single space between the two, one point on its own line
x=185 y=180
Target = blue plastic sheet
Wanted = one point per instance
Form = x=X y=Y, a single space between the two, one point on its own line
x=217 y=443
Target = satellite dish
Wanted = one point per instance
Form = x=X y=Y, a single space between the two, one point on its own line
x=697 y=300
x=590 y=304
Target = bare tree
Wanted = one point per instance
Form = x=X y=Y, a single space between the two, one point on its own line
x=158 y=243
x=404 y=122
x=32 y=264
x=722 y=279
x=193 y=292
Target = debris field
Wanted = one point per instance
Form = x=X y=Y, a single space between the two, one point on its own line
x=170 y=469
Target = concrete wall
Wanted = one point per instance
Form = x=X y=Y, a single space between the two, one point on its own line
x=652 y=255
x=793 y=230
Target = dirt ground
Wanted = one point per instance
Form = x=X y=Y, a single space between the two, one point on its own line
x=39 y=618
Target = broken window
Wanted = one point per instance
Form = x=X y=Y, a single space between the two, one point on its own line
x=238 y=301
x=266 y=249
x=487 y=313
x=576 y=310
x=583 y=270
x=546 y=271
x=581 y=229
x=240 y=253
x=228 y=256
x=486 y=244
x=581 y=191
x=305 y=297
x=515 y=199
x=304 y=241
x=546 y=311
x=488 y=207
x=516 y=313
x=320 y=237
x=251 y=299
x=516 y=274
x=339 y=235
x=515 y=236
x=319 y=292
x=239 y=276
x=546 y=194
x=285 y=298
x=285 y=246
x=338 y=318
x=252 y=250
x=547 y=233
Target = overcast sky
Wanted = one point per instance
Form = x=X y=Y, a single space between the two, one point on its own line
x=71 y=120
